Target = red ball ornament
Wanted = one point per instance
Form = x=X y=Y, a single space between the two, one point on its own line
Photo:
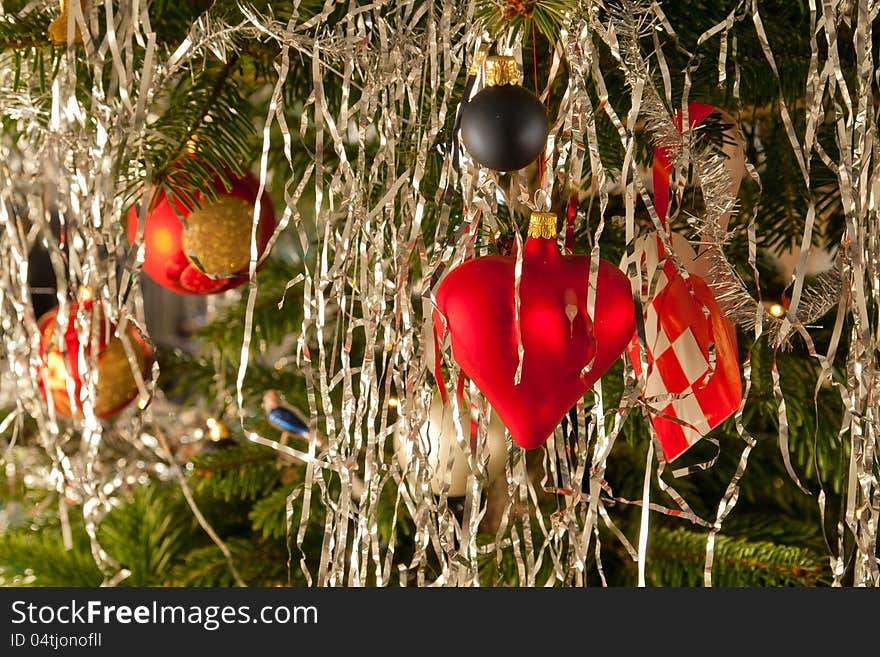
x=559 y=338
x=116 y=386
x=211 y=254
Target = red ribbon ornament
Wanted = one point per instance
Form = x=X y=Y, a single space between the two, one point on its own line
x=685 y=331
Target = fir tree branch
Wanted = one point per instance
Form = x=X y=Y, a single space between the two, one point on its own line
x=548 y=16
x=262 y=564
x=208 y=117
x=39 y=558
x=676 y=558
x=20 y=32
x=210 y=102
x=149 y=533
x=238 y=472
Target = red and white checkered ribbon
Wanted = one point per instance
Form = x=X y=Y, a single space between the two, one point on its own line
x=693 y=380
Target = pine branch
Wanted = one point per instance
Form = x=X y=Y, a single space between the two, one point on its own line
x=260 y=563
x=204 y=137
x=23 y=31
x=762 y=524
x=38 y=558
x=270 y=323
x=676 y=558
x=269 y=515
x=548 y=16
x=149 y=533
x=238 y=472
x=211 y=101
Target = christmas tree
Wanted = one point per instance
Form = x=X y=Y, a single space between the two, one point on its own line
x=225 y=228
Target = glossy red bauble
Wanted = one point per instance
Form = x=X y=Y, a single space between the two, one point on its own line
x=169 y=262
x=559 y=338
x=116 y=385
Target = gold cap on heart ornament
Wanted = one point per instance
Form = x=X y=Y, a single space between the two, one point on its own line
x=543 y=225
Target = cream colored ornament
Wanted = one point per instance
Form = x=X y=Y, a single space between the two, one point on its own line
x=436 y=441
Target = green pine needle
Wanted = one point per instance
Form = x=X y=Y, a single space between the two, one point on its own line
x=676 y=558
x=20 y=31
x=148 y=533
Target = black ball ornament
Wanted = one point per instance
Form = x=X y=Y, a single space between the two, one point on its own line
x=504 y=127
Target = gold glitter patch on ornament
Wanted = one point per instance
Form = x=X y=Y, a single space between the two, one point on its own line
x=117 y=385
x=217 y=238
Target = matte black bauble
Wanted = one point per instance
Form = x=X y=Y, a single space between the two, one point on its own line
x=504 y=127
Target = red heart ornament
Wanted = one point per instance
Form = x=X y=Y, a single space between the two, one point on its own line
x=476 y=303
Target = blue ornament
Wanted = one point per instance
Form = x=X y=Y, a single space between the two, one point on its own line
x=284 y=418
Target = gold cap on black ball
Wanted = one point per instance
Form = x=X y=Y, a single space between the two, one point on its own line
x=501 y=70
